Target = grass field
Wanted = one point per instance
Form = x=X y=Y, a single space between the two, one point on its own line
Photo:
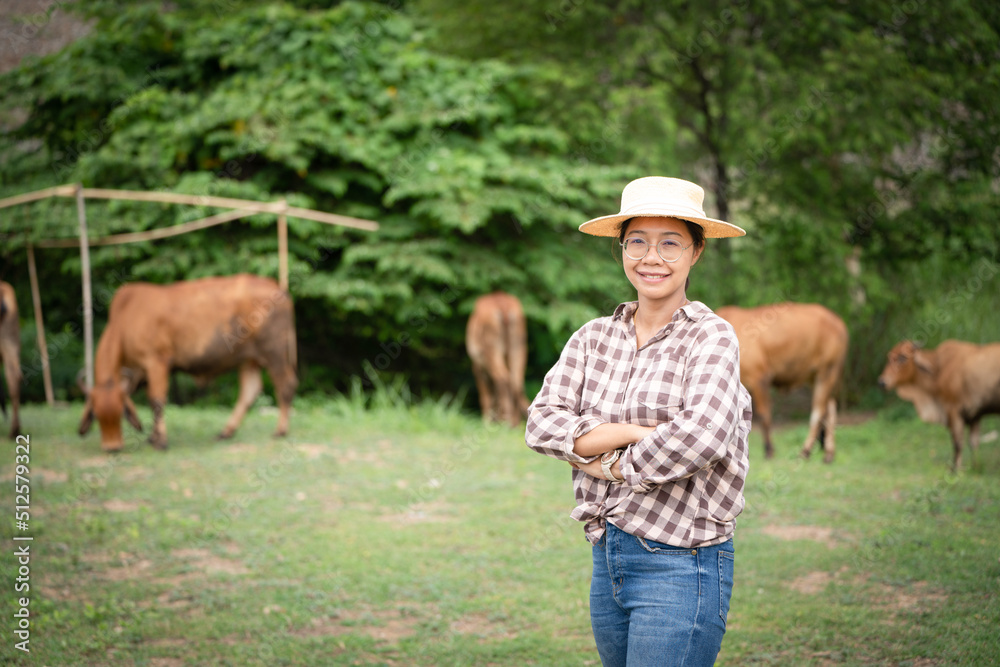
x=400 y=534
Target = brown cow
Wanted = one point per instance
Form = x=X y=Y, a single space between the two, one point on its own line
x=202 y=327
x=786 y=345
x=955 y=385
x=10 y=355
x=497 y=342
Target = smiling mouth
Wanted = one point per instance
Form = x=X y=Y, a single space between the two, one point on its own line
x=653 y=276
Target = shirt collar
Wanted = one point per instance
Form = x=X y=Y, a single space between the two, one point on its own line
x=694 y=311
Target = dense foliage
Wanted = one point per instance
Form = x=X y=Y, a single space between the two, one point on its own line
x=856 y=143
x=343 y=110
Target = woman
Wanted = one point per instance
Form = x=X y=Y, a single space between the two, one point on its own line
x=647 y=407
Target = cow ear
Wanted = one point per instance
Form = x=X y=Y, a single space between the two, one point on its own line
x=87 y=419
x=132 y=415
x=922 y=362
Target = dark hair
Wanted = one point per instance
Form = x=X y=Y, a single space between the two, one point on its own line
x=697 y=231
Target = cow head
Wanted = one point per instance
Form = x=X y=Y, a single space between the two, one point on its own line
x=904 y=362
x=107 y=401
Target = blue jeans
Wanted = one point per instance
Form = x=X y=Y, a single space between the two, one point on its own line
x=654 y=604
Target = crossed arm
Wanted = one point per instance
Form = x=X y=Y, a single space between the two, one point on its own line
x=715 y=407
x=605 y=438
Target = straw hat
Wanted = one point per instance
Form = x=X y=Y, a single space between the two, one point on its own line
x=660 y=196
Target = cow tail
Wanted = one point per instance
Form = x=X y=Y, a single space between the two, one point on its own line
x=3 y=397
x=292 y=343
x=3 y=401
x=517 y=353
x=293 y=351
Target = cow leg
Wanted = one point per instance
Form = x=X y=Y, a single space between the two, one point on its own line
x=511 y=390
x=485 y=393
x=517 y=361
x=820 y=412
x=815 y=419
x=829 y=446
x=250 y=388
x=760 y=394
x=974 y=438
x=513 y=416
x=503 y=395
x=285 y=382
x=157 y=386
x=12 y=375
x=956 y=426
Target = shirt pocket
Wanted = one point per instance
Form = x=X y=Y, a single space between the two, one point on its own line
x=597 y=377
x=657 y=402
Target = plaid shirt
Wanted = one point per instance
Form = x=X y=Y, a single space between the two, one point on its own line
x=684 y=482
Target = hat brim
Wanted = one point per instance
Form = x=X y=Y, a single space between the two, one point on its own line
x=608 y=225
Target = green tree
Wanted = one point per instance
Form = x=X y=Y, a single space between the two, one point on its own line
x=855 y=142
x=345 y=110
x=852 y=140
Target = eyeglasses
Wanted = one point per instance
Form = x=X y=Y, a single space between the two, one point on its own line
x=669 y=250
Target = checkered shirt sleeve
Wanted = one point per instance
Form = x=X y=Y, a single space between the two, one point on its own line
x=556 y=419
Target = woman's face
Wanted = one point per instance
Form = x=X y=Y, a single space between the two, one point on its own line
x=652 y=277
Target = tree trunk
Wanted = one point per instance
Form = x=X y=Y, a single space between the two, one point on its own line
x=724 y=247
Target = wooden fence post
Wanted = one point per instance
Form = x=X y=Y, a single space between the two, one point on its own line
x=43 y=348
x=88 y=307
x=283 y=247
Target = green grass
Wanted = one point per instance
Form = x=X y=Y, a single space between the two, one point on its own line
x=387 y=533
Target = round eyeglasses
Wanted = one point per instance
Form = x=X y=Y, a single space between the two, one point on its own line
x=669 y=250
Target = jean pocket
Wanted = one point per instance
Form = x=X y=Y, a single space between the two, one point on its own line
x=727 y=563
x=654 y=547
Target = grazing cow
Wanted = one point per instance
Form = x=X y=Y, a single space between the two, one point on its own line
x=497 y=342
x=786 y=345
x=10 y=355
x=955 y=385
x=202 y=327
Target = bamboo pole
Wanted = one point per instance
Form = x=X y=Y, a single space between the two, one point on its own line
x=218 y=218
x=57 y=191
x=88 y=308
x=282 y=250
x=333 y=219
x=193 y=200
x=181 y=198
x=228 y=202
x=152 y=234
x=43 y=348
x=244 y=208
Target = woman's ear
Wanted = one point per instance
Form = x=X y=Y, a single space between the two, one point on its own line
x=697 y=254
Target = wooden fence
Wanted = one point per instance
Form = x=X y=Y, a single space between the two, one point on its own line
x=239 y=208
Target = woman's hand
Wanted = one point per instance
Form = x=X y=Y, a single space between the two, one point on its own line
x=594 y=469
x=607 y=437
